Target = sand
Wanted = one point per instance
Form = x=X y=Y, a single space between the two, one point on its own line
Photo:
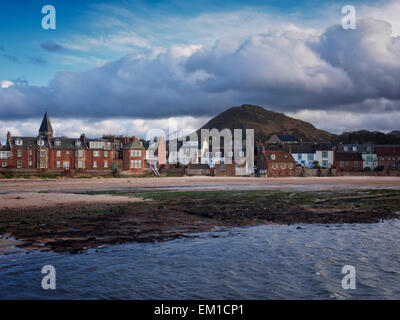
x=196 y=183
x=57 y=200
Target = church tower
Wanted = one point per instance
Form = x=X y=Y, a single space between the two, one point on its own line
x=45 y=128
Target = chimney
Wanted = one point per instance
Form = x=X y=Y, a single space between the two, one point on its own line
x=83 y=139
x=8 y=138
x=126 y=140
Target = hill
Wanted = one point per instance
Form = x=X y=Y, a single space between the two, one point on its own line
x=266 y=123
x=365 y=136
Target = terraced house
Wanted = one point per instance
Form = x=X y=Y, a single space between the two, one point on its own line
x=48 y=154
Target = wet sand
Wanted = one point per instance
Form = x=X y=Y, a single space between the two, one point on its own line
x=196 y=183
x=49 y=215
x=56 y=200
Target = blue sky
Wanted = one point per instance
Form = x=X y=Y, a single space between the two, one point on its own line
x=21 y=43
x=126 y=66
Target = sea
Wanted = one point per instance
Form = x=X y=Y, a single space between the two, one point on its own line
x=301 y=261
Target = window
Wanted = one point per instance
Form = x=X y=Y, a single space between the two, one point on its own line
x=30 y=163
x=80 y=164
x=67 y=152
x=272 y=157
x=105 y=164
x=346 y=163
x=78 y=143
x=96 y=153
x=290 y=166
x=40 y=142
x=324 y=154
x=283 y=166
x=58 y=153
x=274 y=166
x=18 y=142
x=4 y=164
x=30 y=152
x=356 y=164
x=354 y=148
x=5 y=154
x=19 y=153
x=66 y=165
x=94 y=164
x=136 y=164
x=79 y=153
x=325 y=163
x=345 y=148
x=43 y=153
x=341 y=164
x=42 y=164
x=58 y=164
x=105 y=154
x=19 y=164
x=299 y=157
x=58 y=143
x=136 y=153
x=310 y=156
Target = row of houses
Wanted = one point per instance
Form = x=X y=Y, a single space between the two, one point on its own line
x=46 y=153
x=341 y=157
x=279 y=156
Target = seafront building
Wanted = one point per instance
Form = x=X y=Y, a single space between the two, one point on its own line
x=50 y=154
x=281 y=155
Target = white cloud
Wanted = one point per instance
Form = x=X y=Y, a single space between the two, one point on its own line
x=6 y=84
x=96 y=128
x=287 y=69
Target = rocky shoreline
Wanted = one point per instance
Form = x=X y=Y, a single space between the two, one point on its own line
x=168 y=215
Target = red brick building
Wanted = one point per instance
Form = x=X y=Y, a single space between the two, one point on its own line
x=275 y=163
x=388 y=157
x=348 y=161
x=46 y=153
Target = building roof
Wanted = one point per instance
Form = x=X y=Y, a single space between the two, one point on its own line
x=28 y=142
x=388 y=151
x=300 y=148
x=286 y=137
x=348 y=156
x=280 y=156
x=325 y=146
x=45 y=127
x=134 y=145
x=66 y=143
x=365 y=147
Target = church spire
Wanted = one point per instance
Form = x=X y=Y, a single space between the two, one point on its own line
x=46 y=128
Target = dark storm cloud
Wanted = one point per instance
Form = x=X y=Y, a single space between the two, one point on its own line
x=52 y=46
x=351 y=70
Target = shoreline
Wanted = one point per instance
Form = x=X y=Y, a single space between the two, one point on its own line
x=161 y=215
x=196 y=183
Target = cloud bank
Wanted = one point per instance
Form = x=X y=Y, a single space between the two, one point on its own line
x=287 y=69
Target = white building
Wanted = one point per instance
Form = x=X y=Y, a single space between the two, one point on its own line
x=324 y=155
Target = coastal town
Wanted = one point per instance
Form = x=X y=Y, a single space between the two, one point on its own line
x=281 y=155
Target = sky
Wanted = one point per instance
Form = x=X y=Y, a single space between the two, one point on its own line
x=125 y=67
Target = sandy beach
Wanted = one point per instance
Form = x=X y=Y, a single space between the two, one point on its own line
x=75 y=214
x=196 y=183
